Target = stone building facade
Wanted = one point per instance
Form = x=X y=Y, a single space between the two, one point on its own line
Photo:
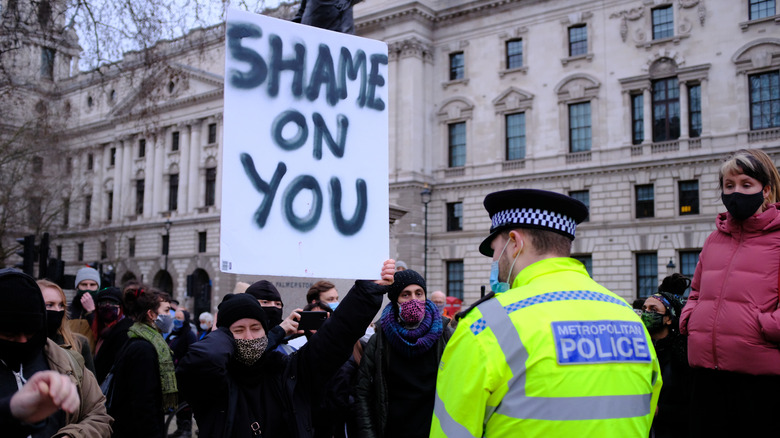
x=629 y=106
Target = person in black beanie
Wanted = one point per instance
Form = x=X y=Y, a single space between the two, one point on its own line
x=111 y=326
x=396 y=382
x=271 y=300
x=25 y=351
x=239 y=388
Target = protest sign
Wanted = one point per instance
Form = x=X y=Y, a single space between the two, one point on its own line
x=305 y=158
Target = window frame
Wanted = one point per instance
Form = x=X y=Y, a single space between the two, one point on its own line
x=48 y=55
x=582 y=43
x=662 y=30
x=202 y=242
x=759 y=3
x=695 y=122
x=454 y=150
x=646 y=281
x=577 y=194
x=457 y=72
x=508 y=138
x=210 y=192
x=666 y=103
x=638 y=203
x=175 y=140
x=141 y=148
x=686 y=264
x=454 y=216
x=574 y=129
x=637 y=121
x=455 y=278
x=695 y=200
x=212 y=133
x=110 y=205
x=510 y=56
x=140 y=193
x=173 y=192
x=771 y=117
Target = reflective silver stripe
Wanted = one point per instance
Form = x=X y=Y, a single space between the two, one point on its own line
x=516 y=404
x=448 y=424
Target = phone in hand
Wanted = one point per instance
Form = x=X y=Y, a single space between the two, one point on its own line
x=311 y=320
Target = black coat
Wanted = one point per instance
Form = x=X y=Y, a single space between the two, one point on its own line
x=284 y=388
x=113 y=340
x=180 y=341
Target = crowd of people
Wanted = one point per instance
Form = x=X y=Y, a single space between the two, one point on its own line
x=549 y=352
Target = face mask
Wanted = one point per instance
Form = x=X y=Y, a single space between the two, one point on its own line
x=205 y=326
x=333 y=305
x=86 y=291
x=16 y=353
x=496 y=285
x=164 y=322
x=440 y=308
x=53 y=322
x=742 y=206
x=177 y=324
x=412 y=311
x=653 y=321
x=274 y=315
x=108 y=314
x=249 y=351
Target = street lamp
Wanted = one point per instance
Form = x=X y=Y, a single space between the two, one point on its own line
x=425 y=195
x=167 y=242
x=670 y=266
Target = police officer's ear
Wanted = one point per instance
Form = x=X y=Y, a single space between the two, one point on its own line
x=517 y=240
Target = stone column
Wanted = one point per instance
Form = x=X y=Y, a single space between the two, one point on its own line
x=158 y=188
x=218 y=187
x=98 y=191
x=705 y=105
x=184 y=170
x=119 y=182
x=684 y=110
x=194 y=182
x=647 y=112
x=149 y=175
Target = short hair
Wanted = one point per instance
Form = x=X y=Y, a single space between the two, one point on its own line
x=546 y=242
x=754 y=163
x=141 y=300
x=317 y=305
x=317 y=288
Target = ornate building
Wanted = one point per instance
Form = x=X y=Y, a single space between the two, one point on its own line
x=628 y=106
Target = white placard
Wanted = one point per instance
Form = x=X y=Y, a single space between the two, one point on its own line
x=305 y=158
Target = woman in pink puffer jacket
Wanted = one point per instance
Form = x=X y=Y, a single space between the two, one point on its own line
x=732 y=318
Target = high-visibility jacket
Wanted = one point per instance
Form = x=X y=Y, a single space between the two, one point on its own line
x=557 y=355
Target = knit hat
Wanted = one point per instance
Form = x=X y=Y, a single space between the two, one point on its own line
x=264 y=290
x=87 y=273
x=21 y=303
x=239 y=306
x=111 y=294
x=401 y=279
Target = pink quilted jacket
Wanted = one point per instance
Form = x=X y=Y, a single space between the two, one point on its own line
x=732 y=318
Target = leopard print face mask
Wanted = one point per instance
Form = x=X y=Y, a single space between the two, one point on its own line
x=249 y=351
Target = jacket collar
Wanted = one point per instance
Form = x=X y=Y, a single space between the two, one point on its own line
x=546 y=266
x=768 y=220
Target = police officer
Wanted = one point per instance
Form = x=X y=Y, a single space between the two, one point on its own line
x=555 y=353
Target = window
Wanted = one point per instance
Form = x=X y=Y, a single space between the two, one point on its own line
x=212 y=133
x=579 y=127
x=761 y=9
x=202 y=241
x=165 y=241
x=457 y=142
x=666 y=110
x=87 y=209
x=112 y=157
x=139 y=197
x=663 y=22
x=80 y=251
x=44 y=12
x=65 y=212
x=514 y=54
x=454 y=216
x=586 y=260
x=584 y=197
x=59 y=252
x=47 y=63
x=110 y=210
x=175 y=141
x=90 y=161
x=637 y=118
x=141 y=148
x=644 y=201
x=765 y=100
x=688 y=262
x=578 y=40
x=211 y=186
x=455 y=279
x=173 y=192
x=694 y=110
x=515 y=136
x=34 y=210
x=103 y=250
x=646 y=274
x=457 y=66
x=68 y=165
x=37 y=164
x=689 y=197
x=131 y=246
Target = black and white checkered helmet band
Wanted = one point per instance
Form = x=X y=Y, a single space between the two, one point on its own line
x=536 y=217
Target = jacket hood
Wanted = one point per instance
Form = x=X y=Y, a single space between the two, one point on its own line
x=768 y=220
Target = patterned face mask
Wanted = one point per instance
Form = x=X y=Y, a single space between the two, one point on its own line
x=249 y=351
x=412 y=311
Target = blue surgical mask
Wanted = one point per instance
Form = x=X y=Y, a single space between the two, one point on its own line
x=177 y=324
x=333 y=305
x=497 y=285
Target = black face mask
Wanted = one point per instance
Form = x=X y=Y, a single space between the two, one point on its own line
x=274 y=315
x=742 y=206
x=16 y=353
x=53 y=322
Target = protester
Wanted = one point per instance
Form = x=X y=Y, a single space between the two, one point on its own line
x=206 y=320
x=661 y=314
x=237 y=388
x=396 y=383
x=732 y=318
x=111 y=326
x=26 y=355
x=81 y=311
x=323 y=291
x=440 y=300
x=179 y=342
x=57 y=327
x=144 y=383
x=271 y=300
x=523 y=360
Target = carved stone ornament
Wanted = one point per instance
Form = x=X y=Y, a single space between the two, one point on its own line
x=685 y=26
x=687 y=4
x=626 y=16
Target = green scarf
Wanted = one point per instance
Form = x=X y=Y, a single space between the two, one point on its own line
x=164 y=357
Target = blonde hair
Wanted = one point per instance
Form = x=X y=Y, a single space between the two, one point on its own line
x=756 y=164
x=64 y=329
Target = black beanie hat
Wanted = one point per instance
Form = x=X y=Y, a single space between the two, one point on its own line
x=112 y=294
x=239 y=306
x=21 y=303
x=401 y=279
x=264 y=290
